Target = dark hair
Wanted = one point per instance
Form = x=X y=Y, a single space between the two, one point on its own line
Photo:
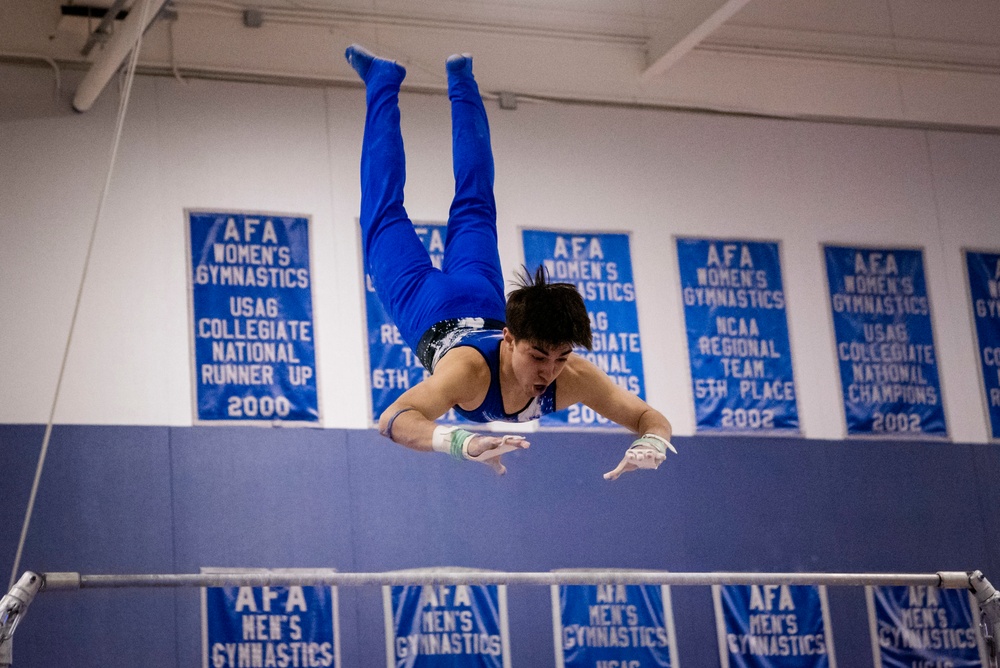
x=548 y=313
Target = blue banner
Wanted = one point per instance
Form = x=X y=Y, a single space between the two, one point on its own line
x=270 y=626
x=600 y=266
x=252 y=315
x=613 y=625
x=923 y=626
x=394 y=367
x=885 y=342
x=737 y=335
x=772 y=626
x=447 y=626
x=984 y=286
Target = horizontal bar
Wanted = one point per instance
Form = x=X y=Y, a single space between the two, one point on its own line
x=64 y=581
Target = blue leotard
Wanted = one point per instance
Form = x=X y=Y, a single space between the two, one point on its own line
x=487 y=342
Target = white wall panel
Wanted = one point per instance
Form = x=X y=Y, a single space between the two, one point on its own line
x=51 y=175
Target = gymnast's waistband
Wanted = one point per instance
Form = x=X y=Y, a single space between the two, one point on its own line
x=442 y=336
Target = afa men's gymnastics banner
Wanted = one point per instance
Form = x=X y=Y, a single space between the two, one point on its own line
x=613 y=626
x=773 y=626
x=394 y=367
x=600 y=266
x=924 y=626
x=984 y=287
x=252 y=318
x=270 y=626
x=461 y=626
x=737 y=335
x=885 y=342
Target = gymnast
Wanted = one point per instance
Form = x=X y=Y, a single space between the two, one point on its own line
x=489 y=358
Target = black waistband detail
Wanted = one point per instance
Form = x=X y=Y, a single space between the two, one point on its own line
x=429 y=343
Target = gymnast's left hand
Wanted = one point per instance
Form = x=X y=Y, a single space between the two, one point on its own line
x=646 y=452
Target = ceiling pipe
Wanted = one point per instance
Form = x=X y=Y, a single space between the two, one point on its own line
x=101 y=32
x=142 y=13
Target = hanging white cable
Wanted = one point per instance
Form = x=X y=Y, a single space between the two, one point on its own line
x=122 y=107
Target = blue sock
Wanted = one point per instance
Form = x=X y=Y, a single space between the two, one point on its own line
x=367 y=64
x=459 y=64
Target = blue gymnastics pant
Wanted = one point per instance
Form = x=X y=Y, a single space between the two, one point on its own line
x=470 y=283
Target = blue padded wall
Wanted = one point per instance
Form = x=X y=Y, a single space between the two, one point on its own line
x=162 y=500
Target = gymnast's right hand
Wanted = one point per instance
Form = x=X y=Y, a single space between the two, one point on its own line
x=481 y=448
x=488 y=449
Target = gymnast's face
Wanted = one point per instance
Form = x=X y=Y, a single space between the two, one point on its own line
x=535 y=365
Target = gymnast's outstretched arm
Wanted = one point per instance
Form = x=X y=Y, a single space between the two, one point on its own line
x=461 y=377
x=582 y=382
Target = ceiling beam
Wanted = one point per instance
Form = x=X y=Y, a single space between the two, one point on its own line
x=117 y=49
x=104 y=29
x=690 y=22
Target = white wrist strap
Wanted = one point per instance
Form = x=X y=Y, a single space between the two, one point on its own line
x=451 y=440
x=441 y=439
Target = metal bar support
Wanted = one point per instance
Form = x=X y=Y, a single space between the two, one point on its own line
x=989 y=618
x=12 y=609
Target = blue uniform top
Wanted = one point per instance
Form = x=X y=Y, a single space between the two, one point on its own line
x=487 y=342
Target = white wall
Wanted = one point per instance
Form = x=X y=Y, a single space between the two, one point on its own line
x=282 y=149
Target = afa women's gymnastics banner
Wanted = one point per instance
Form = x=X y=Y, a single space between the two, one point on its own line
x=253 y=341
x=924 y=626
x=629 y=626
x=432 y=626
x=269 y=626
x=885 y=342
x=394 y=367
x=773 y=626
x=984 y=287
x=737 y=336
x=600 y=266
